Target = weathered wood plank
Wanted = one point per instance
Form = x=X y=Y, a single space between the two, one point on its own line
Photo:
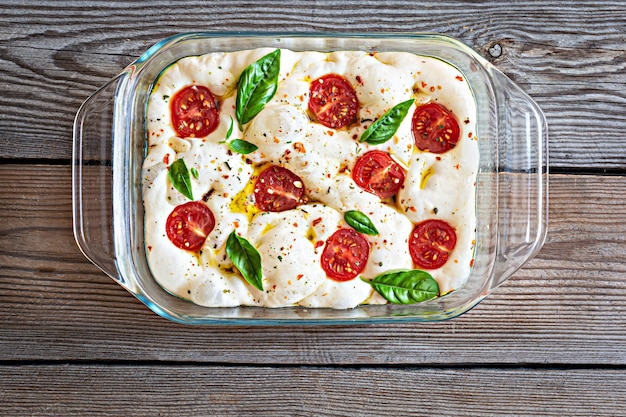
x=55 y=54
x=88 y=390
x=566 y=306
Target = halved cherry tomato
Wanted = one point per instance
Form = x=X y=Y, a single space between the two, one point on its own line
x=345 y=255
x=376 y=172
x=278 y=189
x=435 y=129
x=333 y=101
x=194 y=112
x=431 y=242
x=189 y=224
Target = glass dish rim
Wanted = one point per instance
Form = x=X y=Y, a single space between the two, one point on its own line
x=164 y=43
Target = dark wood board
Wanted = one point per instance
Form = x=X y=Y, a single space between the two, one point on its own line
x=551 y=341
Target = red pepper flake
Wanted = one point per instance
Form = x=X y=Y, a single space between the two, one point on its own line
x=359 y=79
x=470 y=134
x=317 y=221
x=299 y=146
x=354 y=137
x=225 y=176
x=438 y=158
x=319 y=244
x=299 y=277
x=295 y=225
x=424 y=84
x=432 y=89
x=166 y=159
x=331 y=133
x=236 y=224
x=471 y=263
x=149 y=248
x=413 y=209
x=458 y=77
x=457 y=166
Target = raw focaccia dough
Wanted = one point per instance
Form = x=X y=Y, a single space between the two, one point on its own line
x=436 y=186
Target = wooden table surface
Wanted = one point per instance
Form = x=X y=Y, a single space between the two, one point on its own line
x=551 y=341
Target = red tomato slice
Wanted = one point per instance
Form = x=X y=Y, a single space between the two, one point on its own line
x=278 y=189
x=430 y=243
x=376 y=172
x=435 y=129
x=345 y=255
x=333 y=101
x=189 y=224
x=194 y=112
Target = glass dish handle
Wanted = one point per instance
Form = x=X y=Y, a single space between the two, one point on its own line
x=522 y=178
x=92 y=179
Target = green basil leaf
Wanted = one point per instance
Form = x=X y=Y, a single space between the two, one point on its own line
x=405 y=287
x=360 y=222
x=242 y=146
x=195 y=173
x=230 y=129
x=246 y=259
x=387 y=125
x=179 y=176
x=257 y=85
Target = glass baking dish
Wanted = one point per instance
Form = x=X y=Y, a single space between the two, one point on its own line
x=109 y=148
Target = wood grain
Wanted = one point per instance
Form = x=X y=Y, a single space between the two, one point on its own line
x=568 y=306
x=53 y=55
x=551 y=341
x=267 y=391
